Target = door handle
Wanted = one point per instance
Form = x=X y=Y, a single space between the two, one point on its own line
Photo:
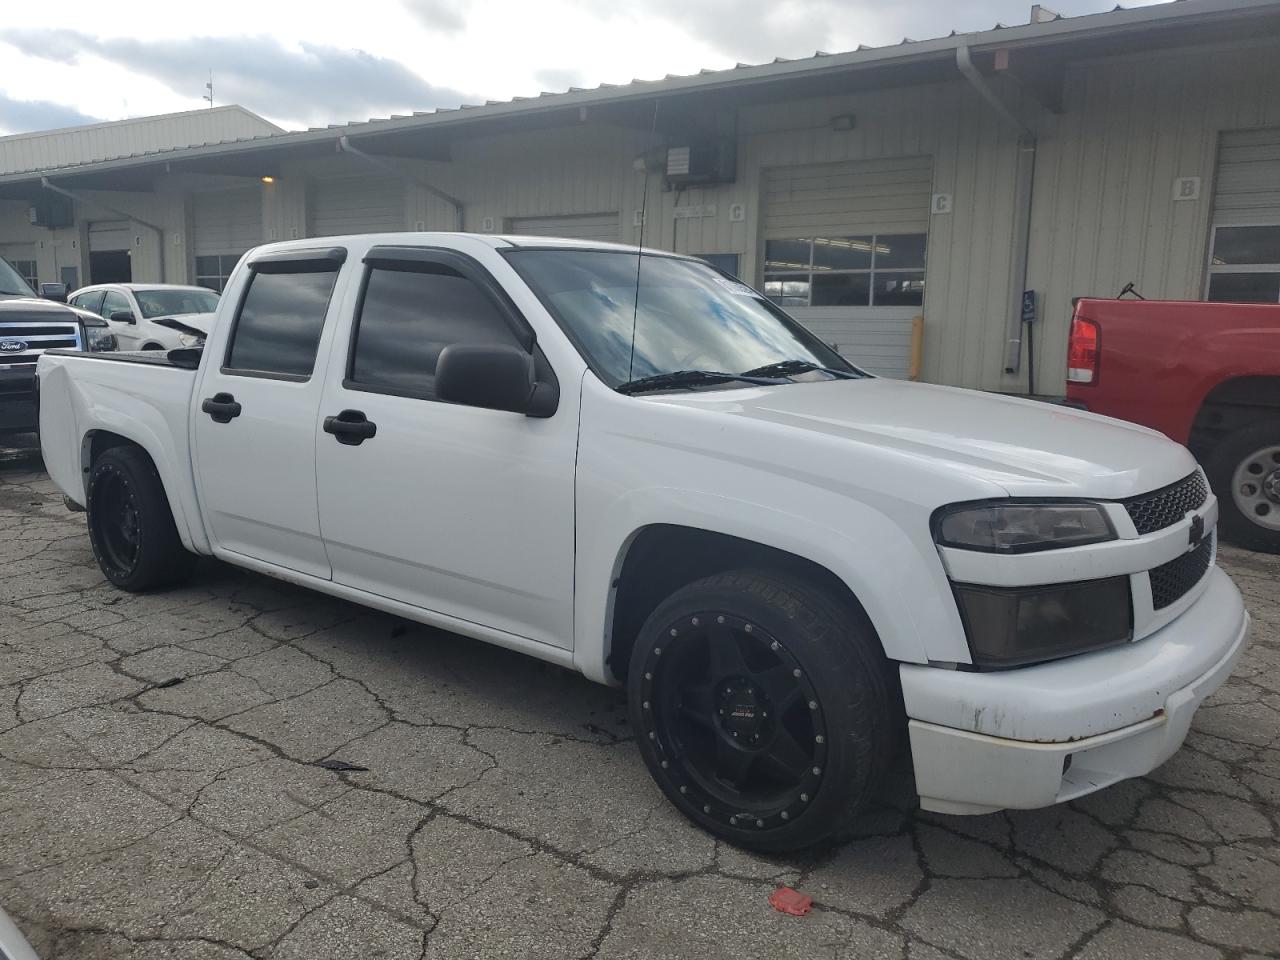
x=350 y=427
x=222 y=407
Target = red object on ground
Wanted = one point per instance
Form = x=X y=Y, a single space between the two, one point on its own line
x=786 y=900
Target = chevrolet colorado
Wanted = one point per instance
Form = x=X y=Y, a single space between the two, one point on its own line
x=638 y=468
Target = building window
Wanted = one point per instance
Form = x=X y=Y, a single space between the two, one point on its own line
x=213 y=271
x=27 y=270
x=724 y=262
x=881 y=270
x=1245 y=264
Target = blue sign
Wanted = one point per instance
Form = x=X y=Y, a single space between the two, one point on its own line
x=1028 y=306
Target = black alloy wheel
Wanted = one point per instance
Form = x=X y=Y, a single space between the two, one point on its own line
x=131 y=528
x=761 y=708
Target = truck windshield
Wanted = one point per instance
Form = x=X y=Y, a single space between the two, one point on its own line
x=174 y=303
x=689 y=319
x=11 y=281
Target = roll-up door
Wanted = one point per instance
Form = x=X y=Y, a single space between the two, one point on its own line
x=602 y=227
x=845 y=247
x=226 y=221
x=358 y=204
x=109 y=235
x=1244 y=247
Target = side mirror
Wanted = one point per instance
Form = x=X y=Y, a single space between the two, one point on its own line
x=54 y=291
x=495 y=377
x=123 y=316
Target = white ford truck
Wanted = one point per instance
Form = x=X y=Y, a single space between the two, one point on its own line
x=640 y=469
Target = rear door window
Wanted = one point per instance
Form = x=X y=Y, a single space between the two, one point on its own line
x=277 y=328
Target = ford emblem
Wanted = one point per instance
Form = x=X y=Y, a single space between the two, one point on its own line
x=12 y=346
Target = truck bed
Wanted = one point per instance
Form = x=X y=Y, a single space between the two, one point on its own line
x=143 y=395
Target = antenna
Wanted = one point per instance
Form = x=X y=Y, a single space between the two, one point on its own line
x=209 y=86
x=644 y=209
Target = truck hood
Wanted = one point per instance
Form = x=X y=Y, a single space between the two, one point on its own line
x=1026 y=447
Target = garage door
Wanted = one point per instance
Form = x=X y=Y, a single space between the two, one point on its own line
x=845 y=247
x=360 y=204
x=602 y=227
x=224 y=224
x=1244 y=251
x=109 y=235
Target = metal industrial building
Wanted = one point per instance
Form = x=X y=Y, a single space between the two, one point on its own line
x=942 y=178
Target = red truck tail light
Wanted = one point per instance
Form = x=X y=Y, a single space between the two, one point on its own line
x=1082 y=351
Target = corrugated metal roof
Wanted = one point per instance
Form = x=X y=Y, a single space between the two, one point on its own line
x=93 y=142
x=1058 y=28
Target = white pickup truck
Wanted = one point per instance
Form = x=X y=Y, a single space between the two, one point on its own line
x=674 y=488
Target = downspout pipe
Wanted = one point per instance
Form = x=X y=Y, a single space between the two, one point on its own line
x=1024 y=182
x=345 y=146
x=80 y=198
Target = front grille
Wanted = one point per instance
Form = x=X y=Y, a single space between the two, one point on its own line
x=1171 y=581
x=36 y=338
x=1166 y=506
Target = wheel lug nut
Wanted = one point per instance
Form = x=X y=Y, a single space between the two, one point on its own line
x=759 y=823
x=695 y=621
x=795 y=672
x=747 y=628
x=819 y=739
x=813 y=704
x=719 y=619
x=817 y=771
x=733 y=821
x=785 y=815
x=804 y=798
x=657 y=651
x=774 y=645
x=684 y=789
x=665 y=764
x=646 y=704
x=648 y=676
x=706 y=808
x=652 y=735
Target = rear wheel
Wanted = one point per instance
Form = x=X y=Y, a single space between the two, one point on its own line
x=1244 y=471
x=130 y=527
x=762 y=709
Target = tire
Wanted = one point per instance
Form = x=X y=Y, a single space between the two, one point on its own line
x=130 y=527
x=1244 y=471
x=698 y=708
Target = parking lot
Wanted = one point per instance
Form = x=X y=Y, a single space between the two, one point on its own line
x=162 y=795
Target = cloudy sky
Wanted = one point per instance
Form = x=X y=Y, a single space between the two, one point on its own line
x=303 y=64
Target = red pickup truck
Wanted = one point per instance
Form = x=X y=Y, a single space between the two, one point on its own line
x=1205 y=374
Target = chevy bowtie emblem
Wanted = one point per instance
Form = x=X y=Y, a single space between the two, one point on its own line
x=1196 y=533
x=12 y=346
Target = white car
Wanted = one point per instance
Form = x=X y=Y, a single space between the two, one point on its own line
x=677 y=489
x=149 y=316
x=13 y=945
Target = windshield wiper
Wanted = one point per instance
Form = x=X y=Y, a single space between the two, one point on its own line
x=690 y=378
x=785 y=368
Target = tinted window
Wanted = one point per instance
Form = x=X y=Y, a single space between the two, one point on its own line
x=114 y=302
x=407 y=318
x=278 y=328
x=89 y=301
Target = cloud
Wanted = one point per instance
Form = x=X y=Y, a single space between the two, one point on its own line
x=312 y=83
x=21 y=116
x=447 y=16
x=557 y=79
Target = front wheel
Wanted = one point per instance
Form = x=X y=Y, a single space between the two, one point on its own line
x=1244 y=471
x=130 y=527
x=761 y=705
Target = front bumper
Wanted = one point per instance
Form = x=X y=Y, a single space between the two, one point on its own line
x=18 y=399
x=1045 y=734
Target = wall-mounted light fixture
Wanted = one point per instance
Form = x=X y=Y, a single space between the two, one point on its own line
x=268 y=179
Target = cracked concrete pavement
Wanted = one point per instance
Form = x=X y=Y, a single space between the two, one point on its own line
x=504 y=812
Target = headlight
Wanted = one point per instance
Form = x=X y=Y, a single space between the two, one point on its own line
x=1013 y=626
x=100 y=339
x=190 y=340
x=1021 y=527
